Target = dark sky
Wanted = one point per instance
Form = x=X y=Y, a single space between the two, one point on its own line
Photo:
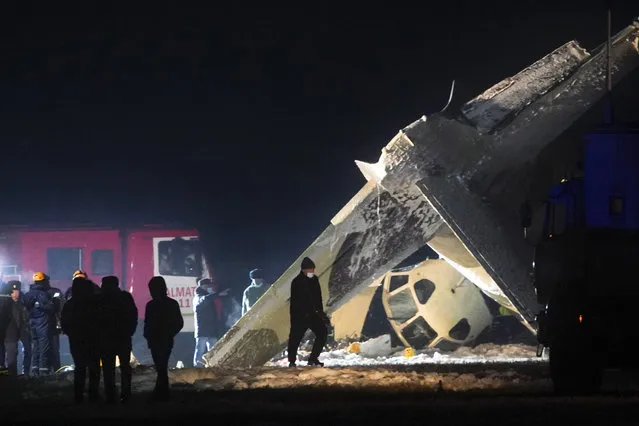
x=244 y=122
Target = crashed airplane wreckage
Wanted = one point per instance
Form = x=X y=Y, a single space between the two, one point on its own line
x=447 y=181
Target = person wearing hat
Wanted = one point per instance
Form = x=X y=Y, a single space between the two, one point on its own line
x=5 y=318
x=81 y=274
x=17 y=330
x=307 y=312
x=254 y=291
x=207 y=321
x=42 y=318
x=162 y=322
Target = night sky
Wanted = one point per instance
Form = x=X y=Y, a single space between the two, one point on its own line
x=244 y=123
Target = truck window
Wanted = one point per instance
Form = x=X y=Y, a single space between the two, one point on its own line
x=102 y=262
x=62 y=262
x=180 y=257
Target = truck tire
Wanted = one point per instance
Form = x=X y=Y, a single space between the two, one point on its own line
x=575 y=368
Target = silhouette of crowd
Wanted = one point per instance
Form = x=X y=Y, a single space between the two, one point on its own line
x=99 y=321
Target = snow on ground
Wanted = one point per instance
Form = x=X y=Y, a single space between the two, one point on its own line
x=485 y=354
x=380 y=366
x=429 y=370
x=379 y=378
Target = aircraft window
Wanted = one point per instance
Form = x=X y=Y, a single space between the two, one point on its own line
x=180 y=257
x=396 y=282
x=424 y=289
x=102 y=262
x=62 y=262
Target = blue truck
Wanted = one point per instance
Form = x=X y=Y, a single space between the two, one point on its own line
x=585 y=263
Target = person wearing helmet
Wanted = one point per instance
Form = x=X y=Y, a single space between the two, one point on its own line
x=81 y=274
x=80 y=321
x=77 y=274
x=42 y=320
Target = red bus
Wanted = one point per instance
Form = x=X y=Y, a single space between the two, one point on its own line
x=132 y=254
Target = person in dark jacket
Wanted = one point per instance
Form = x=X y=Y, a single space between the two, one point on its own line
x=80 y=322
x=17 y=330
x=118 y=317
x=307 y=311
x=162 y=321
x=41 y=307
x=80 y=274
x=6 y=312
x=57 y=296
x=229 y=311
x=207 y=322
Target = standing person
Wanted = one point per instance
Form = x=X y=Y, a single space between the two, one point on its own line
x=254 y=291
x=307 y=311
x=56 y=295
x=6 y=312
x=228 y=310
x=18 y=328
x=206 y=320
x=25 y=336
x=162 y=321
x=81 y=274
x=79 y=322
x=118 y=319
x=42 y=321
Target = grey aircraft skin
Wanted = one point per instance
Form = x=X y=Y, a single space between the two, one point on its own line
x=453 y=180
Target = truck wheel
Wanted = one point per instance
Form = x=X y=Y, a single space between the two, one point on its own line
x=574 y=369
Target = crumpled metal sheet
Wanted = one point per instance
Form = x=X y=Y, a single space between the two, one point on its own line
x=438 y=171
x=374 y=232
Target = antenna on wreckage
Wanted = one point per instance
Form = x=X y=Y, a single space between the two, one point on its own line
x=450 y=97
x=608 y=118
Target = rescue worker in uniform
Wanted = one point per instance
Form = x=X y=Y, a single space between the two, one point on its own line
x=162 y=321
x=80 y=274
x=42 y=320
x=17 y=330
x=80 y=322
x=254 y=291
x=307 y=311
x=118 y=319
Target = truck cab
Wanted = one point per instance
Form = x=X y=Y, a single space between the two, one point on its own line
x=586 y=238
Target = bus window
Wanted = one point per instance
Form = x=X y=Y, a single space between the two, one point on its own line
x=61 y=262
x=180 y=257
x=102 y=262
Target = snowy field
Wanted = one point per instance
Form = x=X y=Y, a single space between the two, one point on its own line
x=379 y=352
x=483 y=367
x=485 y=384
